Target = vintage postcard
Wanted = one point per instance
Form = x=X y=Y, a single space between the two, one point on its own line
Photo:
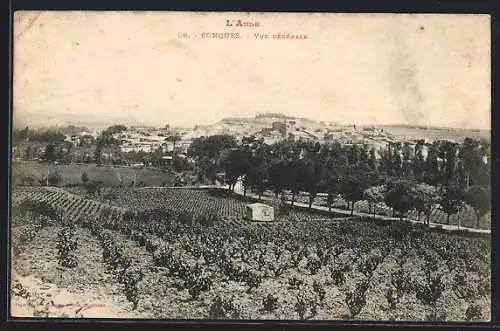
x=251 y=166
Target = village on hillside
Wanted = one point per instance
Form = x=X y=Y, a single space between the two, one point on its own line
x=267 y=129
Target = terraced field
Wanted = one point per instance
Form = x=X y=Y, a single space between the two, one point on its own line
x=73 y=206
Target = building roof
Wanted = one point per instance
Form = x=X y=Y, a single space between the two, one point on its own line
x=258 y=204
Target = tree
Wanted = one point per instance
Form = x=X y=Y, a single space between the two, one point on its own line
x=211 y=146
x=296 y=173
x=20 y=135
x=235 y=163
x=173 y=139
x=419 y=161
x=54 y=177
x=332 y=186
x=424 y=197
x=448 y=154
x=479 y=198
x=278 y=177
x=353 y=155
x=374 y=195
x=311 y=179
x=28 y=153
x=364 y=155
x=372 y=159
x=451 y=200
x=386 y=160
x=398 y=198
x=48 y=136
x=98 y=150
x=407 y=156
x=397 y=159
x=50 y=153
x=470 y=158
x=114 y=129
x=207 y=152
x=352 y=189
x=85 y=177
x=334 y=164
x=431 y=175
x=256 y=178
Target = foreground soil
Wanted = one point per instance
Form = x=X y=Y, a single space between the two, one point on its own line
x=41 y=288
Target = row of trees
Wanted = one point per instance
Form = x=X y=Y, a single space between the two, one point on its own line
x=405 y=177
x=404 y=195
x=27 y=134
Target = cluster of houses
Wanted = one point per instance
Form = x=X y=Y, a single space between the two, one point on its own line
x=165 y=140
x=136 y=139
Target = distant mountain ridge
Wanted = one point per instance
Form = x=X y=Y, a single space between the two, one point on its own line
x=41 y=121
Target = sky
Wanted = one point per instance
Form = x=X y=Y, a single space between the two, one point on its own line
x=352 y=68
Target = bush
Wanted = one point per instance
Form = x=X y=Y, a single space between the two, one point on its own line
x=207 y=220
x=400 y=230
x=474 y=312
x=463 y=288
x=270 y=303
x=401 y=281
x=356 y=299
x=338 y=274
x=66 y=245
x=284 y=209
x=185 y=218
x=391 y=297
x=54 y=178
x=131 y=277
x=436 y=316
x=368 y=265
x=294 y=283
x=430 y=291
x=320 y=291
x=27 y=179
x=163 y=257
x=301 y=308
x=252 y=279
x=222 y=309
x=313 y=265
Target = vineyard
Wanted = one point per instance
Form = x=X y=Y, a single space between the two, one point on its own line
x=466 y=215
x=184 y=261
x=74 y=206
x=201 y=201
x=151 y=198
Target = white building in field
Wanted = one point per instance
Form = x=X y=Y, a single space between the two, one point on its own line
x=260 y=212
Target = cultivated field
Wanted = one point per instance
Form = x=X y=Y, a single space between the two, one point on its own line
x=177 y=265
x=200 y=201
x=71 y=174
x=151 y=198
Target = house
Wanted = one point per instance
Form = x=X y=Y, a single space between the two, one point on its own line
x=166 y=160
x=260 y=212
x=137 y=165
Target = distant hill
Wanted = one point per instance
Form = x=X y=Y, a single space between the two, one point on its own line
x=434 y=133
x=43 y=121
x=242 y=125
x=274 y=115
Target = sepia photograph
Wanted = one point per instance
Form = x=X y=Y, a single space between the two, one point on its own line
x=250 y=166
